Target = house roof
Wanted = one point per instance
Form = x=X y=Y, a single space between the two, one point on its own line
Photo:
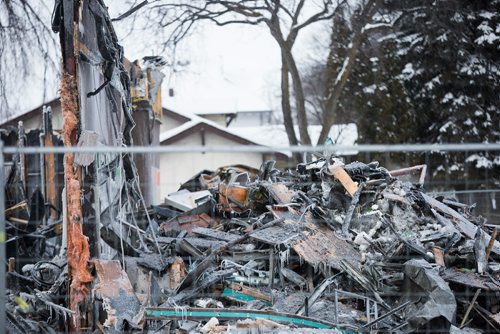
x=175 y=115
x=13 y=120
x=267 y=135
x=195 y=124
x=342 y=134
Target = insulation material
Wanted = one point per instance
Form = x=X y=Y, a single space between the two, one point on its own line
x=78 y=247
x=176 y=273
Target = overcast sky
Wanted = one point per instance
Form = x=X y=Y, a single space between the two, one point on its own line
x=234 y=67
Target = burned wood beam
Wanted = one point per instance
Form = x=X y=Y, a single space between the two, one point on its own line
x=318 y=291
x=350 y=211
x=237 y=291
x=66 y=32
x=465 y=226
x=411 y=170
x=340 y=174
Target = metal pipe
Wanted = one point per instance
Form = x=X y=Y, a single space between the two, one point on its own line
x=391 y=312
x=42 y=165
x=157 y=313
x=255 y=148
x=336 y=306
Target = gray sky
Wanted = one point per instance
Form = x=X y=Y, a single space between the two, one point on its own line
x=234 y=67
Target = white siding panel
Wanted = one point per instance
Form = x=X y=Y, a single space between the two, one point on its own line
x=177 y=168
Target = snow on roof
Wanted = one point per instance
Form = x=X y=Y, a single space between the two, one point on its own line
x=270 y=135
x=175 y=131
x=275 y=135
x=195 y=120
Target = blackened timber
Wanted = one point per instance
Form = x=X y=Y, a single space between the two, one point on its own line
x=465 y=226
x=209 y=260
x=350 y=211
x=211 y=233
x=66 y=36
x=187 y=247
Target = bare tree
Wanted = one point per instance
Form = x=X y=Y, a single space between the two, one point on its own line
x=26 y=44
x=336 y=78
x=284 y=19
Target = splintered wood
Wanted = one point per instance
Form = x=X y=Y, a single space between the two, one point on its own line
x=323 y=249
x=176 y=273
x=78 y=247
x=340 y=174
x=318 y=245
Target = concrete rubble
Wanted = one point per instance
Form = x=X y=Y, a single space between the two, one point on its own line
x=335 y=247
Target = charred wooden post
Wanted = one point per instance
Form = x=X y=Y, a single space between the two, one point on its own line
x=21 y=142
x=97 y=110
x=146 y=104
x=49 y=164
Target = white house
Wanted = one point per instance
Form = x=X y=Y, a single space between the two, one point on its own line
x=177 y=168
x=187 y=129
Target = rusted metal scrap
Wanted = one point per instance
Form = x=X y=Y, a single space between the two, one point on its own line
x=117 y=294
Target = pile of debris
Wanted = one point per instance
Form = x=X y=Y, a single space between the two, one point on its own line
x=328 y=246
